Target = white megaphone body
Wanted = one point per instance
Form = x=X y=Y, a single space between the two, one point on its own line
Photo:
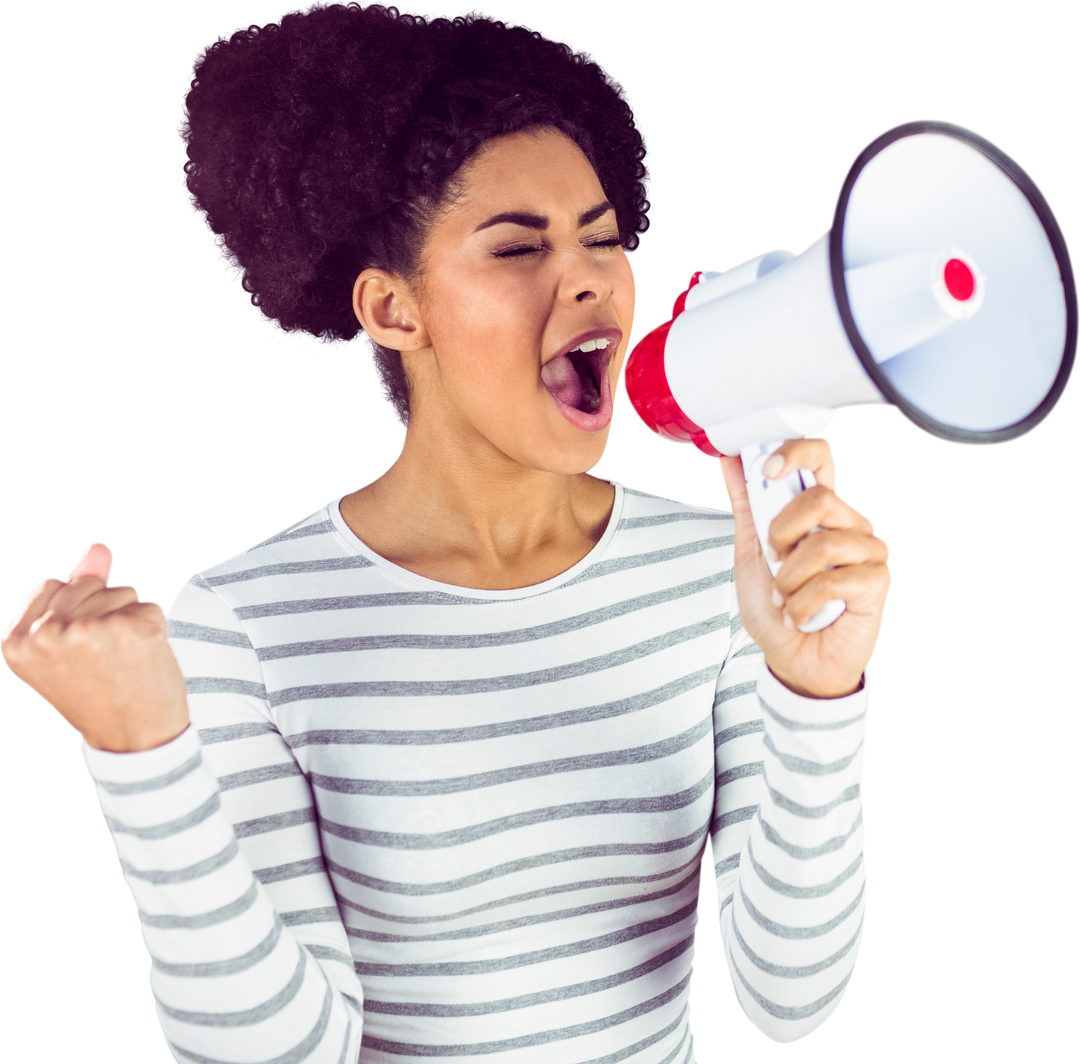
x=944 y=287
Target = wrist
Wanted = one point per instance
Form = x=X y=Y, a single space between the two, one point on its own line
x=841 y=689
x=133 y=740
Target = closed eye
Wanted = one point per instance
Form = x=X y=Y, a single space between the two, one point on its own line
x=532 y=248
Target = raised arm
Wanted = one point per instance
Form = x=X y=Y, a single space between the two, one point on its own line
x=788 y=726
x=215 y=826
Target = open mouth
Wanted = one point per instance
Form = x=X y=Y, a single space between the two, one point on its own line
x=577 y=378
x=589 y=377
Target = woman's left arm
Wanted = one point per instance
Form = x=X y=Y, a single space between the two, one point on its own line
x=828 y=551
x=788 y=722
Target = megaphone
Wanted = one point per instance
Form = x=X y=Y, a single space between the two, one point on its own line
x=944 y=287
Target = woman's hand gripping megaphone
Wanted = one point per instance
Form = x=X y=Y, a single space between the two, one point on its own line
x=828 y=551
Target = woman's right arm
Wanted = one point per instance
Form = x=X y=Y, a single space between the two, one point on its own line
x=215 y=826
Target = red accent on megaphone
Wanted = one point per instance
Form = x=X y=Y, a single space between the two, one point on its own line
x=703 y=443
x=649 y=391
x=959 y=280
x=680 y=303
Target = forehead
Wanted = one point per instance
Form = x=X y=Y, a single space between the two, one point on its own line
x=542 y=171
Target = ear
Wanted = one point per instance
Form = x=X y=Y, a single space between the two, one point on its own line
x=387 y=310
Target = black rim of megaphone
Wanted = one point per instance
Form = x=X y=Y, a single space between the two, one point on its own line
x=1057 y=243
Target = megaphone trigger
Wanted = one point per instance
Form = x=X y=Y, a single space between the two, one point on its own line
x=767 y=498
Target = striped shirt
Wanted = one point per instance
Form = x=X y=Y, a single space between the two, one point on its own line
x=415 y=820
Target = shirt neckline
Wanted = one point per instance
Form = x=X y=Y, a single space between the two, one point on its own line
x=405 y=576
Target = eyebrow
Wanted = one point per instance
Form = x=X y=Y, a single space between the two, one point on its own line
x=538 y=221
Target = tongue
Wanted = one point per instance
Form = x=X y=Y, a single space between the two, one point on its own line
x=562 y=380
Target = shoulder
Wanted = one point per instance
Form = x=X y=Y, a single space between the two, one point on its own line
x=670 y=519
x=299 y=548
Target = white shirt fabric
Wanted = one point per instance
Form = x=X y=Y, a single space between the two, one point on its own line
x=412 y=819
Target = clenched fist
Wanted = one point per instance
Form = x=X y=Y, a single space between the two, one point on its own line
x=100 y=657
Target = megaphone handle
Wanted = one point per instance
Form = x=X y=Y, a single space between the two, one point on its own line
x=767 y=499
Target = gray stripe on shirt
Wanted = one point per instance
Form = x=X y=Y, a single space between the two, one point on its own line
x=656 y=557
x=187 y=873
x=537 y=956
x=531 y=920
x=441 y=736
x=318 y=565
x=787 y=931
x=809 y=853
x=577 y=853
x=511 y=682
x=301 y=1051
x=437 y=840
x=213 y=969
x=155 y=783
x=790 y=1012
x=264 y=774
x=538 y=1038
x=795 y=725
x=441 y=598
x=528 y=1001
x=478 y=640
x=515 y=899
x=800 y=972
x=246 y=1017
x=849 y=794
x=789 y=890
x=456 y=784
x=171 y=827
x=653 y=520
x=171 y=922
x=810 y=768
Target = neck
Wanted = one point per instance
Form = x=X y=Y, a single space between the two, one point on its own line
x=454 y=508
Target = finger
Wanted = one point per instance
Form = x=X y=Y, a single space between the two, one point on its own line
x=150 y=617
x=827 y=549
x=817 y=507
x=53 y=595
x=815 y=455
x=97 y=561
x=735 y=481
x=88 y=577
x=132 y=625
x=99 y=603
x=35 y=603
x=85 y=600
x=862 y=587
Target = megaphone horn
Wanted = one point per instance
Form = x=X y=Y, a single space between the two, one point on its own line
x=944 y=287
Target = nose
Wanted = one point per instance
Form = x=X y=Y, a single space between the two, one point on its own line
x=584 y=279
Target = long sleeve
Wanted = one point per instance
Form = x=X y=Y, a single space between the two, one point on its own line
x=217 y=837
x=787 y=839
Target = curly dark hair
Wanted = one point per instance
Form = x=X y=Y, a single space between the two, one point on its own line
x=324 y=145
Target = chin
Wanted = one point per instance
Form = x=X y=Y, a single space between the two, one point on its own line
x=569 y=458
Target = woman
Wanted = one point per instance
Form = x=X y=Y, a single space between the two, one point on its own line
x=439 y=777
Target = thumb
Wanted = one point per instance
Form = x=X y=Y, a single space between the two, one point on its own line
x=97 y=561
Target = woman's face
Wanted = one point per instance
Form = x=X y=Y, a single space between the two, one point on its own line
x=527 y=298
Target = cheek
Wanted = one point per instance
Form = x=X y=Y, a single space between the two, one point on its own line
x=489 y=332
x=629 y=287
x=623 y=303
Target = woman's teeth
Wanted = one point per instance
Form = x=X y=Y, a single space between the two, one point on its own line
x=593 y=345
